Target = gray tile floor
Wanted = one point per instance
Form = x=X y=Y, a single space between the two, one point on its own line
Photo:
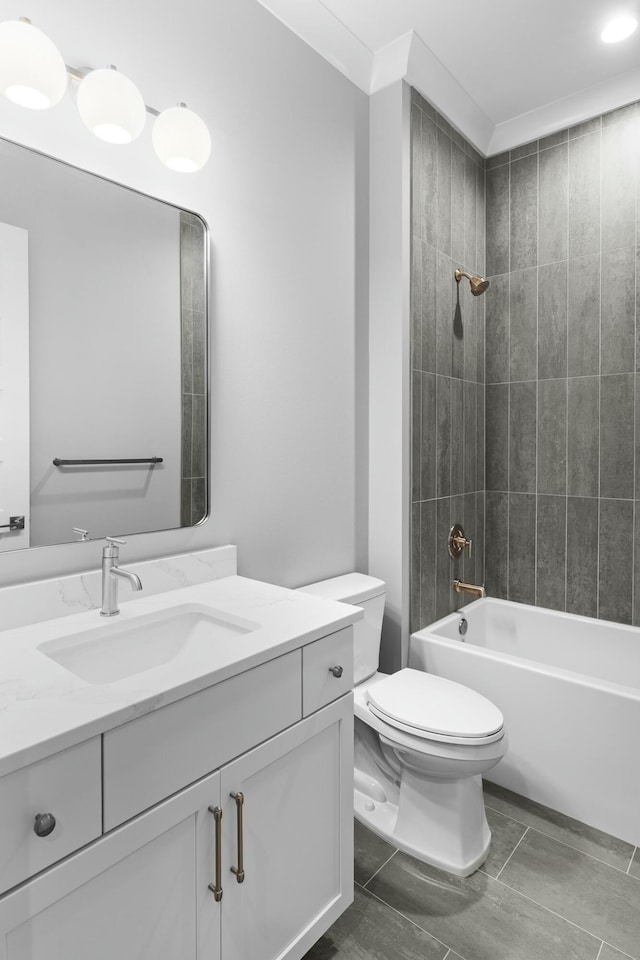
x=552 y=888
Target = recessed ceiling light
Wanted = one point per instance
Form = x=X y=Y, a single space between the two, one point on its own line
x=618 y=29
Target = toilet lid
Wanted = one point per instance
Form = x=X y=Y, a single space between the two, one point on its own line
x=427 y=705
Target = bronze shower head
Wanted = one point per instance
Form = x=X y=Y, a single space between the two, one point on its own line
x=478 y=284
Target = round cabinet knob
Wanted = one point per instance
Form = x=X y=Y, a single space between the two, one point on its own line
x=336 y=671
x=45 y=824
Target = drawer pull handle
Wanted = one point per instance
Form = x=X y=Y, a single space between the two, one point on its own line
x=45 y=824
x=239 y=870
x=216 y=888
x=336 y=671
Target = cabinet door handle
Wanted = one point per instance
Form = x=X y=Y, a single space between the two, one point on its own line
x=45 y=823
x=336 y=671
x=239 y=870
x=216 y=888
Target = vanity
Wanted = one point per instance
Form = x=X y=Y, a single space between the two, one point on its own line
x=198 y=808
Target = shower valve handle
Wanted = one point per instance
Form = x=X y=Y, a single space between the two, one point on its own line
x=458 y=542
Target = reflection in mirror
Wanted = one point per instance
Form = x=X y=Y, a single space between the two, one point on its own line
x=103 y=357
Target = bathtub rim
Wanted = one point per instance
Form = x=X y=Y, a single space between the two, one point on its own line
x=581 y=679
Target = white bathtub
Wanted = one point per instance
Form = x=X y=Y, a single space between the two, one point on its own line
x=569 y=689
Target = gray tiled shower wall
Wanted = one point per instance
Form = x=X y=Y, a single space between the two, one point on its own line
x=193 y=498
x=562 y=355
x=560 y=501
x=447 y=360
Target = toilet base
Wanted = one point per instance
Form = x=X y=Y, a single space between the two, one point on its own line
x=440 y=822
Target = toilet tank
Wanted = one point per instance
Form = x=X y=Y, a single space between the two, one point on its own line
x=369 y=594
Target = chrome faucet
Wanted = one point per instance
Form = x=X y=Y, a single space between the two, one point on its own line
x=110 y=572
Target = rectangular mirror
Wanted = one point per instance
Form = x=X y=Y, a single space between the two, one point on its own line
x=103 y=357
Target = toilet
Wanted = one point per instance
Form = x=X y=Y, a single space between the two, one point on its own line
x=422 y=744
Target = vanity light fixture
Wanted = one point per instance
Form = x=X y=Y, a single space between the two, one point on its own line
x=619 y=29
x=111 y=106
x=33 y=74
x=181 y=139
x=32 y=71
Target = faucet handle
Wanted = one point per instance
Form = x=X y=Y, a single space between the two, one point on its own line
x=115 y=540
x=457 y=542
x=84 y=534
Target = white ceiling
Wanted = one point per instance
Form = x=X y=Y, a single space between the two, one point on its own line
x=524 y=67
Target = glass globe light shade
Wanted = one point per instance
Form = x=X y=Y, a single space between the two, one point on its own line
x=111 y=106
x=32 y=71
x=181 y=139
x=619 y=29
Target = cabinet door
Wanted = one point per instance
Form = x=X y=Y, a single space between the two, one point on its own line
x=139 y=893
x=297 y=837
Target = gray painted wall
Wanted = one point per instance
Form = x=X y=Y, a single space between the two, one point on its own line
x=561 y=362
x=447 y=361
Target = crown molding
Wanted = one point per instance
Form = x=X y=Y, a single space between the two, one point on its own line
x=409 y=58
x=586 y=103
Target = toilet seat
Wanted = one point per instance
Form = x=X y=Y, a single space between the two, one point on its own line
x=432 y=708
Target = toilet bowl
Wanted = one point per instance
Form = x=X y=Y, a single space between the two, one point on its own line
x=421 y=746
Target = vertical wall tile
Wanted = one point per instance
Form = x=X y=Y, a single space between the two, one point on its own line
x=481 y=339
x=471 y=520
x=444 y=193
x=636 y=564
x=481 y=438
x=445 y=314
x=414 y=585
x=524 y=213
x=617 y=405
x=552 y=320
x=481 y=223
x=554 y=207
x=522 y=559
x=551 y=552
x=416 y=434
x=456 y=515
x=614 y=566
x=428 y=227
x=497 y=544
x=470 y=215
x=472 y=332
x=443 y=437
x=428 y=317
x=497 y=436
x=461 y=310
x=417 y=166
x=584 y=195
x=427 y=563
x=583 y=437
x=457 y=203
x=584 y=317
x=187 y=434
x=427 y=447
x=457 y=437
x=582 y=556
x=618 y=312
x=552 y=437
x=497 y=190
x=523 y=315
x=416 y=304
x=619 y=165
x=522 y=437
x=497 y=330
x=470 y=443
x=445 y=597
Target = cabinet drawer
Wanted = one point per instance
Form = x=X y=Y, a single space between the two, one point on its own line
x=149 y=759
x=67 y=785
x=319 y=685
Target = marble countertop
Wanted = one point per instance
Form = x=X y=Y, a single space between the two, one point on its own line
x=44 y=708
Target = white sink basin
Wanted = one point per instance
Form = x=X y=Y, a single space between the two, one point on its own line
x=113 y=651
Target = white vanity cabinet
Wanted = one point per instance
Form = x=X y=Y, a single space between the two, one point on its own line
x=278 y=817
